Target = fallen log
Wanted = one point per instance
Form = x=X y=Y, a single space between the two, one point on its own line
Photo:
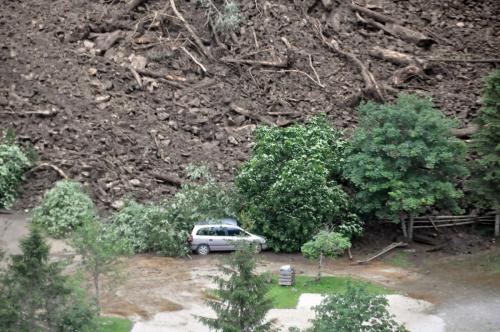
x=55 y=168
x=372 y=14
x=372 y=89
x=403 y=33
x=383 y=252
x=105 y=41
x=465 y=132
x=133 y=4
x=191 y=31
x=396 y=57
x=171 y=179
x=420 y=238
x=277 y=63
x=42 y=113
x=248 y=114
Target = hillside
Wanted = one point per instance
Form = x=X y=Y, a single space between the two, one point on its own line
x=123 y=97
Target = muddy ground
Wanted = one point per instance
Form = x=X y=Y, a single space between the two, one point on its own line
x=464 y=289
x=86 y=111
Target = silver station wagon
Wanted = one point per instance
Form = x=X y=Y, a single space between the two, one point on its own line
x=221 y=237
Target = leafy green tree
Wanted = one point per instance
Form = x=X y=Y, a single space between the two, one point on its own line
x=485 y=144
x=64 y=208
x=241 y=303
x=289 y=185
x=100 y=250
x=355 y=311
x=13 y=164
x=403 y=158
x=36 y=296
x=325 y=244
x=201 y=199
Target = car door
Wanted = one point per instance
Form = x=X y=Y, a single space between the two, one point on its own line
x=219 y=239
x=234 y=234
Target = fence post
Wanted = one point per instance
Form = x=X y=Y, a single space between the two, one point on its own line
x=403 y=227
x=410 y=231
x=497 y=223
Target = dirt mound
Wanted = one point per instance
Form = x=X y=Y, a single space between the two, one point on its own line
x=122 y=99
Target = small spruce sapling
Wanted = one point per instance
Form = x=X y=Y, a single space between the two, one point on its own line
x=241 y=303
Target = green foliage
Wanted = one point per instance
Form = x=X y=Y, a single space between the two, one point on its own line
x=328 y=244
x=288 y=297
x=241 y=305
x=485 y=144
x=35 y=295
x=64 y=208
x=404 y=158
x=147 y=229
x=355 y=311
x=289 y=184
x=13 y=164
x=227 y=18
x=99 y=249
x=325 y=244
x=202 y=200
x=163 y=228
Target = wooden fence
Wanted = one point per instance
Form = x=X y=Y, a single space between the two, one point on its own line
x=436 y=222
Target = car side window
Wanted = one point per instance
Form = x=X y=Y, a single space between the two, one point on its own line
x=234 y=232
x=220 y=231
x=206 y=231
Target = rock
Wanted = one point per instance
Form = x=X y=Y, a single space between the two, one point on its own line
x=88 y=44
x=138 y=61
x=173 y=124
x=92 y=71
x=232 y=140
x=220 y=167
x=102 y=99
x=135 y=182
x=460 y=24
x=163 y=116
x=117 y=205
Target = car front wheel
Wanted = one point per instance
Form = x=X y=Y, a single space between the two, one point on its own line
x=203 y=249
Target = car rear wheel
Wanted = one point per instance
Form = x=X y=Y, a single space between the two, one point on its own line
x=203 y=249
x=258 y=248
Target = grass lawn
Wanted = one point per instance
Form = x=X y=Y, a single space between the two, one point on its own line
x=287 y=297
x=113 y=324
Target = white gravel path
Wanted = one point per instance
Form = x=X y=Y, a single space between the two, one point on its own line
x=413 y=313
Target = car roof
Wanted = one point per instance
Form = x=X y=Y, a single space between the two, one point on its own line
x=215 y=225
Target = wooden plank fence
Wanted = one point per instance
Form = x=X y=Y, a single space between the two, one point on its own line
x=436 y=222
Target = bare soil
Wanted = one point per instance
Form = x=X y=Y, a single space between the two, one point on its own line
x=102 y=128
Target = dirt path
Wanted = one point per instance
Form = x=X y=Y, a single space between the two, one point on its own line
x=162 y=293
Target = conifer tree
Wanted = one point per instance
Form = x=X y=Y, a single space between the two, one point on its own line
x=241 y=304
x=485 y=180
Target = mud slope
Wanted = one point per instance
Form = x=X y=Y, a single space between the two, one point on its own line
x=105 y=124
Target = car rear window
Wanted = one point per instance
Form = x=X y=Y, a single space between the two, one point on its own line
x=234 y=232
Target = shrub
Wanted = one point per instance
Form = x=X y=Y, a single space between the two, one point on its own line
x=227 y=18
x=356 y=310
x=403 y=158
x=146 y=228
x=64 y=208
x=485 y=144
x=325 y=244
x=289 y=183
x=13 y=164
x=202 y=200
